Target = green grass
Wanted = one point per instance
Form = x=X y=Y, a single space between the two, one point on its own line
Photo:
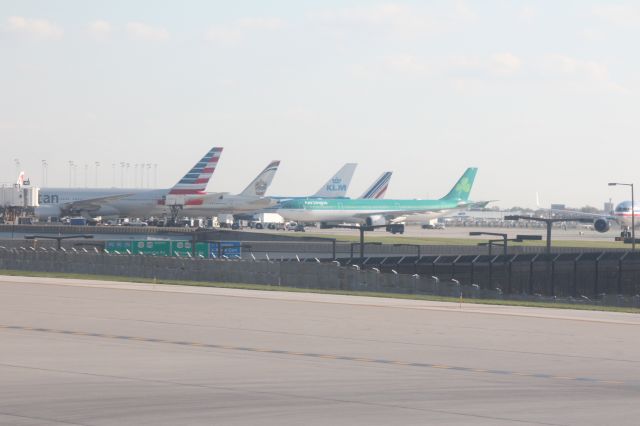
x=446 y=241
x=319 y=291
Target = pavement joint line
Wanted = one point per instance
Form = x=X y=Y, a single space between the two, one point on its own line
x=314 y=355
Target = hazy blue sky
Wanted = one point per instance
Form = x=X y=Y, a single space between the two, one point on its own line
x=542 y=96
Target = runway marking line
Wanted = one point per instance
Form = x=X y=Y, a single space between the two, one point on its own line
x=314 y=355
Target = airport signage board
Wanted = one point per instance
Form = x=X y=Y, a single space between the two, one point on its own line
x=152 y=248
x=119 y=246
x=185 y=249
x=175 y=248
x=225 y=248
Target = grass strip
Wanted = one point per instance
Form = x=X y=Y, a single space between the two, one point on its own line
x=455 y=241
x=266 y=287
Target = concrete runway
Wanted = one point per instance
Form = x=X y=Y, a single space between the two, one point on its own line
x=100 y=353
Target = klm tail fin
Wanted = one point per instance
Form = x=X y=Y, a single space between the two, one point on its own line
x=379 y=187
x=460 y=192
x=196 y=180
x=261 y=183
x=338 y=185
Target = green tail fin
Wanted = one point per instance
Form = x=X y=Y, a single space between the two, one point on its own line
x=462 y=188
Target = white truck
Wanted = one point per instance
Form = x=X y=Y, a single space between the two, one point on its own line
x=268 y=220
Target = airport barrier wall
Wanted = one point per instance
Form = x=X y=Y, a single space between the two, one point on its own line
x=609 y=281
x=81 y=229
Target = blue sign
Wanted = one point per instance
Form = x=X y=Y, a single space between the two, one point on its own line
x=225 y=248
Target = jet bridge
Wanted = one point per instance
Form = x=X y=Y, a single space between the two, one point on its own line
x=17 y=201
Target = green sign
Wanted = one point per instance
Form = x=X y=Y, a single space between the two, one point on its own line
x=152 y=248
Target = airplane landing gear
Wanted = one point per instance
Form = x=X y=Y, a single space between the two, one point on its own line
x=175 y=210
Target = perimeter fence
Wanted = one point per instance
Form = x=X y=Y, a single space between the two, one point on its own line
x=610 y=278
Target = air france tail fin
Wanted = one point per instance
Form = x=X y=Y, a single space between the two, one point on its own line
x=461 y=190
x=258 y=187
x=337 y=186
x=379 y=187
x=196 y=180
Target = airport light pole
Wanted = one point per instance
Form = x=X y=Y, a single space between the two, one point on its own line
x=497 y=234
x=633 y=213
x=122 y=163
x=362 y=229
x=44 y=172
x=70 y=172
x=548 y=221
x=517 y=239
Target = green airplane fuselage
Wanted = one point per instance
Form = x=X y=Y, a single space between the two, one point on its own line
x=321 y=210
x=358 y=210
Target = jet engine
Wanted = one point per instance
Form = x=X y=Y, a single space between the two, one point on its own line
x=48 y=210
x=376 y=219
x=601 y=225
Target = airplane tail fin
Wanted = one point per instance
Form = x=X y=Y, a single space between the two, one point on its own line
x=196 y=180
x=20 y=180
x=258 y=187
x=462 y=188
x=338 y=185
x=379 y=187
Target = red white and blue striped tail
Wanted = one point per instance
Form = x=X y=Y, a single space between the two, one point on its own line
x=195 y=182
x=379 y=187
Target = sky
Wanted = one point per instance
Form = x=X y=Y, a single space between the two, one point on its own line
x=541 y=96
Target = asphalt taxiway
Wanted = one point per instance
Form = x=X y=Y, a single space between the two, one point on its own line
x=102 y=353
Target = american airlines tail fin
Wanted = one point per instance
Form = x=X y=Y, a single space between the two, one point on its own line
x=462 y=188
x=196 y=180
x=258 y=187
x=338 y=185
x=379 y=187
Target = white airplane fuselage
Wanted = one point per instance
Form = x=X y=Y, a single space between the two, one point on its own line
x=135 y=202
x=219 y=203
x=623 y=214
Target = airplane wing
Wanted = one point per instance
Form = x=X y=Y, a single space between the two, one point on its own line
x=92 y=204
x=577 y=215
